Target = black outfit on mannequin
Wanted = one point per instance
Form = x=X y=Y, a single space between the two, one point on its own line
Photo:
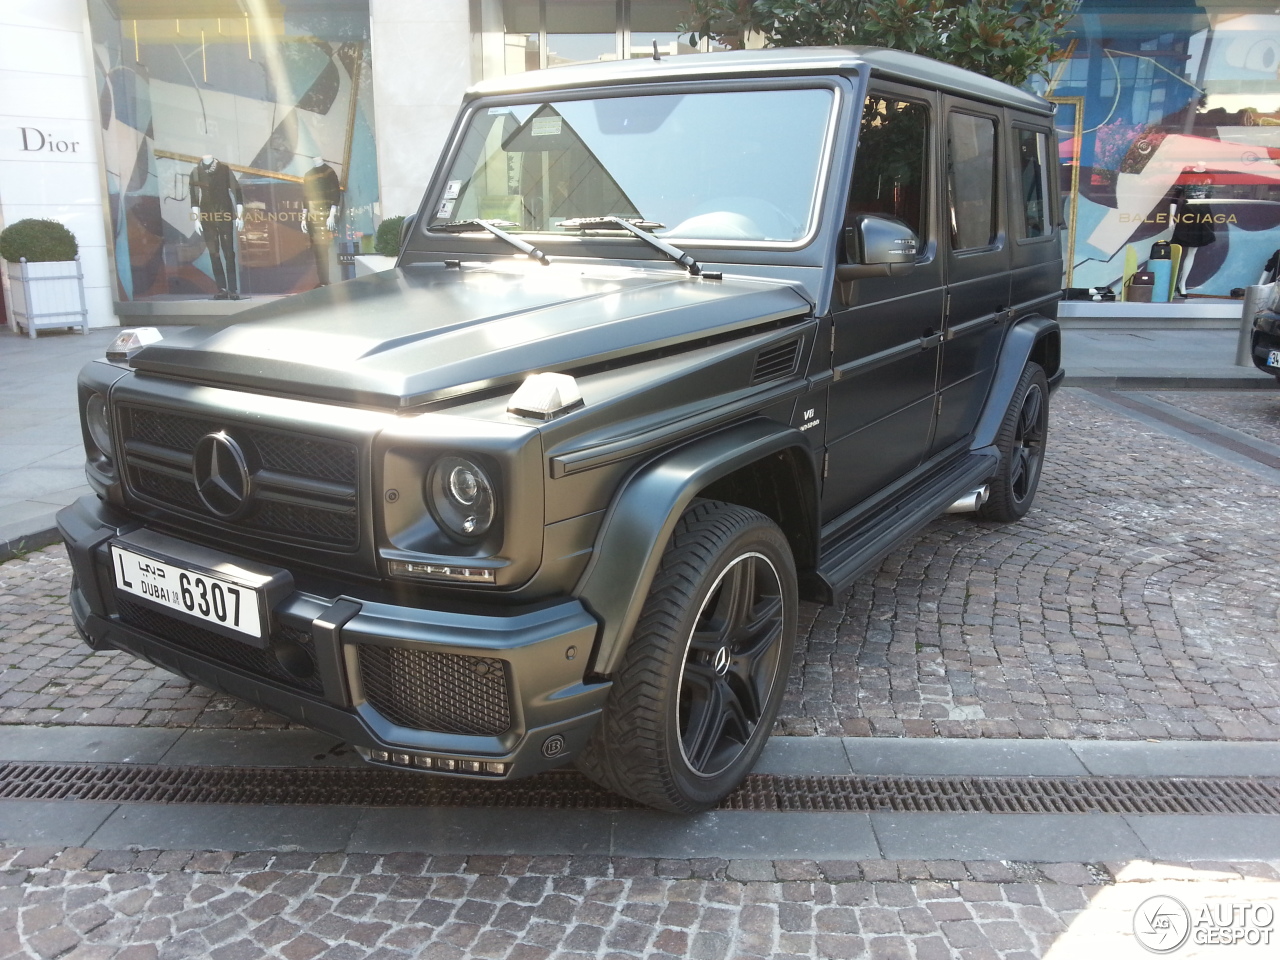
x=215 y=190
x=321 y=190
x=1195 y=220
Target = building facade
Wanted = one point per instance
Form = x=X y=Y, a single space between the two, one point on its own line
x=207 y=150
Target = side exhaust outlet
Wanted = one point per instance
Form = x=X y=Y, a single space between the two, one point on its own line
x=971 y=501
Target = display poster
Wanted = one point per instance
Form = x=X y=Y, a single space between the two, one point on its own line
x=1169 y=126
x=239 y=144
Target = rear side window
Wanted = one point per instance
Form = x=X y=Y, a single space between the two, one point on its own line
x=971 y=178
x=893 y=150
x=1033 y=173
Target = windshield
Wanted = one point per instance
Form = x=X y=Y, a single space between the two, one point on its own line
x=738 y=166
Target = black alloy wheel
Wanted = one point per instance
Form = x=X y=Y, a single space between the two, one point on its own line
x=731 y=664
x=1021 y=442
x=694 y=700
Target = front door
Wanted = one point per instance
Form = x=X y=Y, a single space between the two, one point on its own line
x=886 y=329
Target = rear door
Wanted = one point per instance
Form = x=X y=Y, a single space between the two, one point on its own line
x=977 y=260
x=885 y=335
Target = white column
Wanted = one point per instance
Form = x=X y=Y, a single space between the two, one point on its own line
x=422 y=64
x=49 y=132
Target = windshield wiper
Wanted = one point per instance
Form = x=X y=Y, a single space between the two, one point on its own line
x=494 y=227
x=637 y=227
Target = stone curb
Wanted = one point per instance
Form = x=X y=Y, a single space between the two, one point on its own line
x=17 y=545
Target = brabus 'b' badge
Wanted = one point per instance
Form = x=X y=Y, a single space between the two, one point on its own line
x=221 y=474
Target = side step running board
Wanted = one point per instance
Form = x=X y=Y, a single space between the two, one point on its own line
x=847 y=559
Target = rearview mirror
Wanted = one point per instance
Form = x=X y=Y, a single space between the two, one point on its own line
x=877 y=246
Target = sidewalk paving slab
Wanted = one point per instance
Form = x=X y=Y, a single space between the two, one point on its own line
x=974 y=758
x=1237 y=836
x=207 y=826
x=1007 y=836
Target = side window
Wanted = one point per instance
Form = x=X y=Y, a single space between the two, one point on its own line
x=971 y=176
x=1033 y=173
x=892 y=163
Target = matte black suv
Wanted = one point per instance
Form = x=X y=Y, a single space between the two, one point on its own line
x=670 y=344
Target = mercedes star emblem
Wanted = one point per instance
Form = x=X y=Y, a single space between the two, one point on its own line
x=721 y=662
x=221 y=474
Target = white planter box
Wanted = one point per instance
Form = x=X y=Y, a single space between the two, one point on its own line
x=368 y=264
x=47 y=296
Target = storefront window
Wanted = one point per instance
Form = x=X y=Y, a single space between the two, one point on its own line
x=550 y=33
x=581 y=31
x=239 y=145
x=1170 y=125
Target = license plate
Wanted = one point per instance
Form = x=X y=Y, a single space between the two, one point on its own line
x=212 y=599
x=1273 y=358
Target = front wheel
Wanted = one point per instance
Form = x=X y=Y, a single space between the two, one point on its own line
x=1021 y=442
x=699 y=687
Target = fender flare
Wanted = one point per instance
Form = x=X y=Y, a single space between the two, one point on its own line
x=1016 y=350
x=638 y=525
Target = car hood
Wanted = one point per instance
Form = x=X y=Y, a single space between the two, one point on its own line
x=411 y=336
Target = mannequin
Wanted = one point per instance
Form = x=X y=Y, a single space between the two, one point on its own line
x=217 y=208
x=321 y=192
x=1193 y=220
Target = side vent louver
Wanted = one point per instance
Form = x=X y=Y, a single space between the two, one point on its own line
x=775 y=362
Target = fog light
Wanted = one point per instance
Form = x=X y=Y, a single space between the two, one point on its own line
x=499 y=768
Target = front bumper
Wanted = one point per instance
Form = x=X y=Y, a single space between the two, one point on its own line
x=490 y=696
x=1266 y=337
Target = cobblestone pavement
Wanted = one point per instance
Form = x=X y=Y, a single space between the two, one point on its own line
x=1255 y=412
x=171 y=904
x=1137 y=600
x=81 y=904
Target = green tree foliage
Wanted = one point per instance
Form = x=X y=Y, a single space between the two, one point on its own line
x=39 y=241
x=1009 y=40
x=387 y=239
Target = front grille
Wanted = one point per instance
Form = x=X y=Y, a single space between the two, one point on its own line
x=442 y=692
x=262 y=663
x=305 y=488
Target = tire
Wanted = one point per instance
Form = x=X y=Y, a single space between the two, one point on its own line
x=1021 y=442
x=700 y=684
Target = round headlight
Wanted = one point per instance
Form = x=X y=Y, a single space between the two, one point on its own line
x=95 y=418
x=461 y=497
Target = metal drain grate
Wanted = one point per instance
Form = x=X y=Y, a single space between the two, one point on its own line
x=357 y=787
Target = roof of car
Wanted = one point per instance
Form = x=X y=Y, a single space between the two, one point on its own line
x=783 y=61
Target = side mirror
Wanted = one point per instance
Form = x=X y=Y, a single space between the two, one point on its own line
x=406 y=228
x=877 y=246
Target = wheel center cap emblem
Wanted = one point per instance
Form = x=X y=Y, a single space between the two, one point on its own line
x=721 y=662
x=221 y=474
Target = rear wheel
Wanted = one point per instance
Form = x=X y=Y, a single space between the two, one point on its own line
x=698 y=690
x=1021 y=442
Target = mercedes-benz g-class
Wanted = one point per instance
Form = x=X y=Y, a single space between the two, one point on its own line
x=669 y=344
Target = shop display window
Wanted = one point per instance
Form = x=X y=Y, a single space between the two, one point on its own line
x=238 y=143
x=1169 y=127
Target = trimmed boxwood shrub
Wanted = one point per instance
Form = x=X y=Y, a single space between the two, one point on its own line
x=387 y=242
x=40 y=241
